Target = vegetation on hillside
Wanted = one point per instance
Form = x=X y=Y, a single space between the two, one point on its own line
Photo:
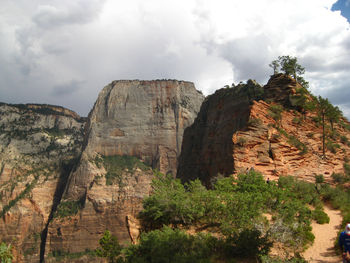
x=325 y=114
x=241 y=217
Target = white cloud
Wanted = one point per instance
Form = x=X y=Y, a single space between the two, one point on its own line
x=64 y=52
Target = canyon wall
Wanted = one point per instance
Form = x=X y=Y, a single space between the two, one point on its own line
x=38 y=146
x=133 y=128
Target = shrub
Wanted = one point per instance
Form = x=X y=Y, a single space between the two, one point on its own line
x=319 y=179
x=171 y=245
x=320 y=216
x=275 y=112
x=248 y=243
x=5 y=253
x=68 y=208
x=296 y=120
x=338 y=178
x=297 y=144
x=254 y=122
x=109 y=248
x=332 y=147
x=347 y=168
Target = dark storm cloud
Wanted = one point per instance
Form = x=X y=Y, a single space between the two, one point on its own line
x=249 y=57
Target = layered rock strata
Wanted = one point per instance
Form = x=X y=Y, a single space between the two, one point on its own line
x=38 y=146
x=134 y=127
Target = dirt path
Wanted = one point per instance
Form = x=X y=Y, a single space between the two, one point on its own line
x=322 y=250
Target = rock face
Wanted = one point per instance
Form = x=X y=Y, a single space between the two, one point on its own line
x=38 y=144
x=207 y=145
x=295 y=148
x=234 y=133
x=134 y=126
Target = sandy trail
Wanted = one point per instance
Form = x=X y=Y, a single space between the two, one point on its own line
x=322 y=250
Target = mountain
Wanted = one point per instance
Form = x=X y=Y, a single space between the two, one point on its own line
x=64 y=179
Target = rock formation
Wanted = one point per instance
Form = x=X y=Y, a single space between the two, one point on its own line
x=134 y=127
x=235 y=132
x=38 y=144
x=207 y=145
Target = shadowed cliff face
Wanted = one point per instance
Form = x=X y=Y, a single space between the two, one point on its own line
x=134 y=127
x=207 y=144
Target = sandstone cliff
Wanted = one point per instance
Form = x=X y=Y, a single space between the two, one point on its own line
x=235 y=132
x=38 y=144
x=134 y=127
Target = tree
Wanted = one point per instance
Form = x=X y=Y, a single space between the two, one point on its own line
x=275 y=65
x=290 y=66
x=5 y=253
x=323 y=108
x=333 y=115
x=110 y=248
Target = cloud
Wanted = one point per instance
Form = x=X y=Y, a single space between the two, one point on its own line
x=65 y=12
x=67 y=88
x=63 y=52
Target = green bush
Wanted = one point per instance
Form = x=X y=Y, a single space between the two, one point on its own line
x=275 y=112
x=5 y=253
x=332 y=147
x=319 y=179
x=254 y=122
x=171 y=245
x=338 y=178
x=296 y=120
x=297 y=144
x=347 y=168
x=320 y=216
x=109 y=248
x=248 y=243
x=68 y=208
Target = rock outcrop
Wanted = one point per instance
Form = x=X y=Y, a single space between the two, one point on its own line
x=207 y=145
x=134 y=127
x=235 y=133
x=38 y=146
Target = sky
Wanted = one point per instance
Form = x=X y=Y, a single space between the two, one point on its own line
x=63 y=52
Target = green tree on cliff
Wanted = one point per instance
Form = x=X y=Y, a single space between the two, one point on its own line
x=290 y=66
x=275 y=65
x=323 y=109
